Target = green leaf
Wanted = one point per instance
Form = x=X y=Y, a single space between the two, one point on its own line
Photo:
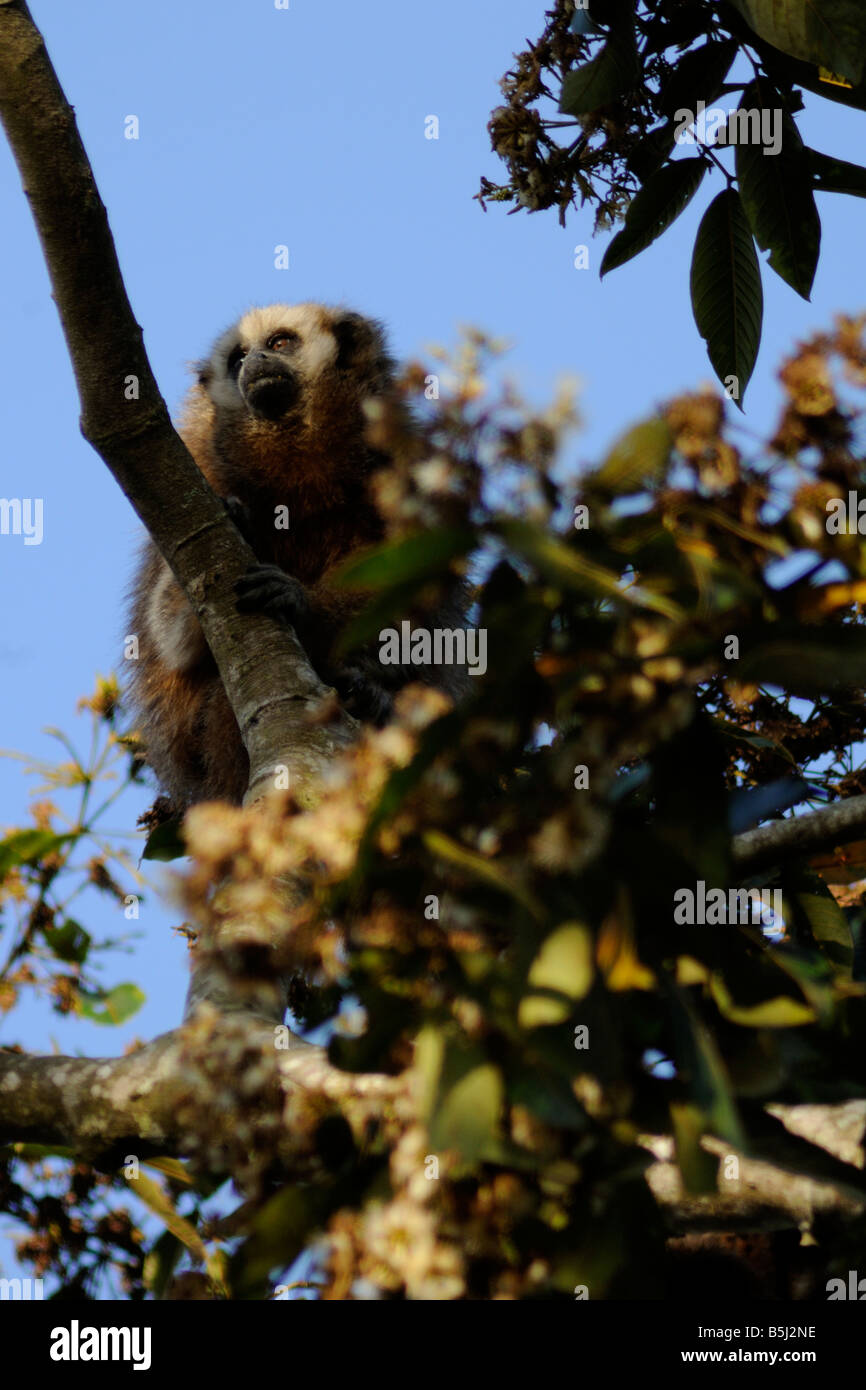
x=479 y=867
x=166 y=842
x=818 y=913
x=827 y=33
x=836 y=175
x=28 y=847
x=155 y=1197
x=114 y=1006
x=759 y=741
x=564 y=967
x=467 y=1115
x=653 y=209
x=423 y=555
x=548 y=1096
x=69 y=941
x=805 y=660
x=698 y=1167
x=565 y=961
x=278 y=1232
x=702 y=1070
x=638 y=457
x=652 y=151
x=599 y=82
x=563 y=565
x=461 y=1095
x=698 y=76
x=776 y=190
x=781 y=1011
x=727 y=299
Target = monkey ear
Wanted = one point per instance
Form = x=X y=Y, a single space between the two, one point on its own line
x=351 y=331
x=204 y=372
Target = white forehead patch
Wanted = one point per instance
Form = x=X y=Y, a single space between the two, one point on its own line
x=318 y=346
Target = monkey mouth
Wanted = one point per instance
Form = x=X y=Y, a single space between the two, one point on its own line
x=272 y=395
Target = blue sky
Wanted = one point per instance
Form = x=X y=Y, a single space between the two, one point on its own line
x=306 y=127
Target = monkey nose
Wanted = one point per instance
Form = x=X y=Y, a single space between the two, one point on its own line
x=269 y=385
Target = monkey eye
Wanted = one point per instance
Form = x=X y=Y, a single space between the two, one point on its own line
x=283 y=338
x=235 y=358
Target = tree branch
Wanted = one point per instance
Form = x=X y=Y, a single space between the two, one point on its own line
x=268 y=679
x=789 y=839
x=170 y=1098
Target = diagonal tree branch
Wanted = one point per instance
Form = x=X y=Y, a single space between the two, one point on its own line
x=789 y=839
x=266 y=674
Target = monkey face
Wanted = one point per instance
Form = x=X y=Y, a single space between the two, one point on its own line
x=285 y=363
x=267 y=381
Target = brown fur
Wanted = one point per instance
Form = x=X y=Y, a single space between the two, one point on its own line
x=315 y=461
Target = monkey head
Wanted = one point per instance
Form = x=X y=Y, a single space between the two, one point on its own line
x=295 y=367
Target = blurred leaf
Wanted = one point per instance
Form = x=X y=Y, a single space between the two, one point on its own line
x=172 y=1168
x=486 y=870
x=441 y=734
x=423 y=555
x=652 y=210
x=28 y=847
x=617 y=957
x=69 y=941
x=702 y=1071
x=549 y=1097
x=564 y=966
x=782 y=1011
x=279 y=1231
x=159 y=1202
x=161 y=1262
x=846 y=864
x=467 y=1116
x=429 y=1059
x=810 y=974
x=698 y=1167
x=805 y=659
x=115 y=1006
x=561 y=564
x=38 y=1151
x=726 y=290
x=819 y=915
x=640 y=456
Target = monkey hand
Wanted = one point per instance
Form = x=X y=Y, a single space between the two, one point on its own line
x=268 y=589
x=363 y=695
x=241 y=516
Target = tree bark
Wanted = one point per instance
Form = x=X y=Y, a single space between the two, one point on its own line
x=268 y=679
